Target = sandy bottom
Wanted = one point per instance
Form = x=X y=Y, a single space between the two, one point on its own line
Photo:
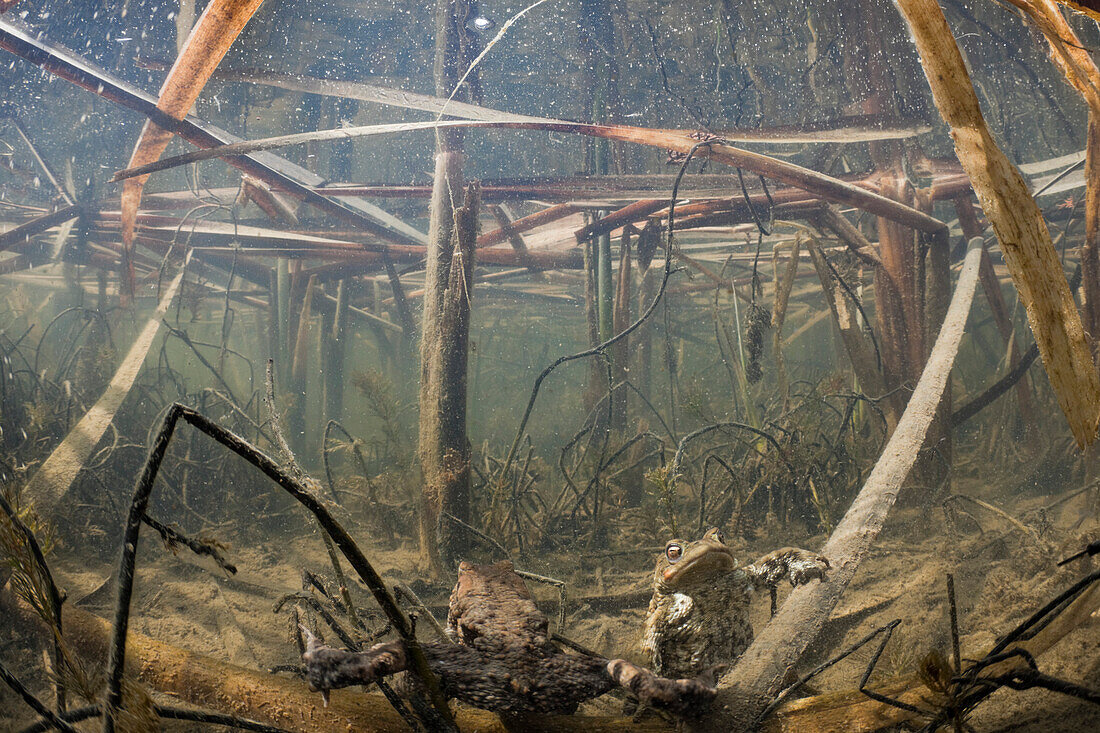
x=1002 y=573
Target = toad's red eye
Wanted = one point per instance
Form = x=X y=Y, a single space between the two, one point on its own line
x=674 y=552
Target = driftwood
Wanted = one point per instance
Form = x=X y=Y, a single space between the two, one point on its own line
x=1069 y=54
x=758 y=674
x=210 y=39
x=856 y=129
x=1016 y=219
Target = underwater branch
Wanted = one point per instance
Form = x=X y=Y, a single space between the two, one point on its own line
x=746 y=691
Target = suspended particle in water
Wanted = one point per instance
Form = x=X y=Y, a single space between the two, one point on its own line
x=480 y=23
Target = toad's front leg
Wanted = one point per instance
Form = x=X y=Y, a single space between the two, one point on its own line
x=798 y=566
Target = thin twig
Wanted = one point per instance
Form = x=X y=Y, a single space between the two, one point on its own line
x=33 y=702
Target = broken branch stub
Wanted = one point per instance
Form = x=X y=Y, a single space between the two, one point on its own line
x=1017 y=221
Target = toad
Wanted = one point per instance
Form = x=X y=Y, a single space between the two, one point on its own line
x=501 y=657
x=699 y=615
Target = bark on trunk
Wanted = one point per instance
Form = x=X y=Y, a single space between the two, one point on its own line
x=1090 y=249
x=435 y=443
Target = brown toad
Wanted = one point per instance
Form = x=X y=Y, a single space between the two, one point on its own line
x=699 y=614
x=503 y=658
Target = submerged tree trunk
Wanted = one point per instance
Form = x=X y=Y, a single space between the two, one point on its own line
x=442 y=441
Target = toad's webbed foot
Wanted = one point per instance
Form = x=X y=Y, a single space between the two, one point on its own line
x=798 y=566
x=681 y=697
x=331 y=669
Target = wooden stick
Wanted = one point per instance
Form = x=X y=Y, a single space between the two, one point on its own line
x=25 y=231
x=50 y=484
x=506 y=221
x=833 y=220
x=526 y=223
x=627 y=215
x=47 y=169
x=829 y=188
x=1016 y=219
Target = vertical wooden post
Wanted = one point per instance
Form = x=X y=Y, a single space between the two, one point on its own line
x=592 y=318
x=620 y=352
x=324 y=349
x=299 y=365
x=336 y=340
x=903 y=327
x=605 y=287
x=646 y=247
x=400 y=302
x=282 y=291
x=444 y=446
x=644 y=335
x=599 y=49
x=437 y=455
x=273 y=351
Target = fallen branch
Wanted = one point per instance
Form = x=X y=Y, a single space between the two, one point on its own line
x=23 y=232
x=142 y=489
x=50 y=484
x=748 y=689
x=1002 y=385
x=277 y=172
